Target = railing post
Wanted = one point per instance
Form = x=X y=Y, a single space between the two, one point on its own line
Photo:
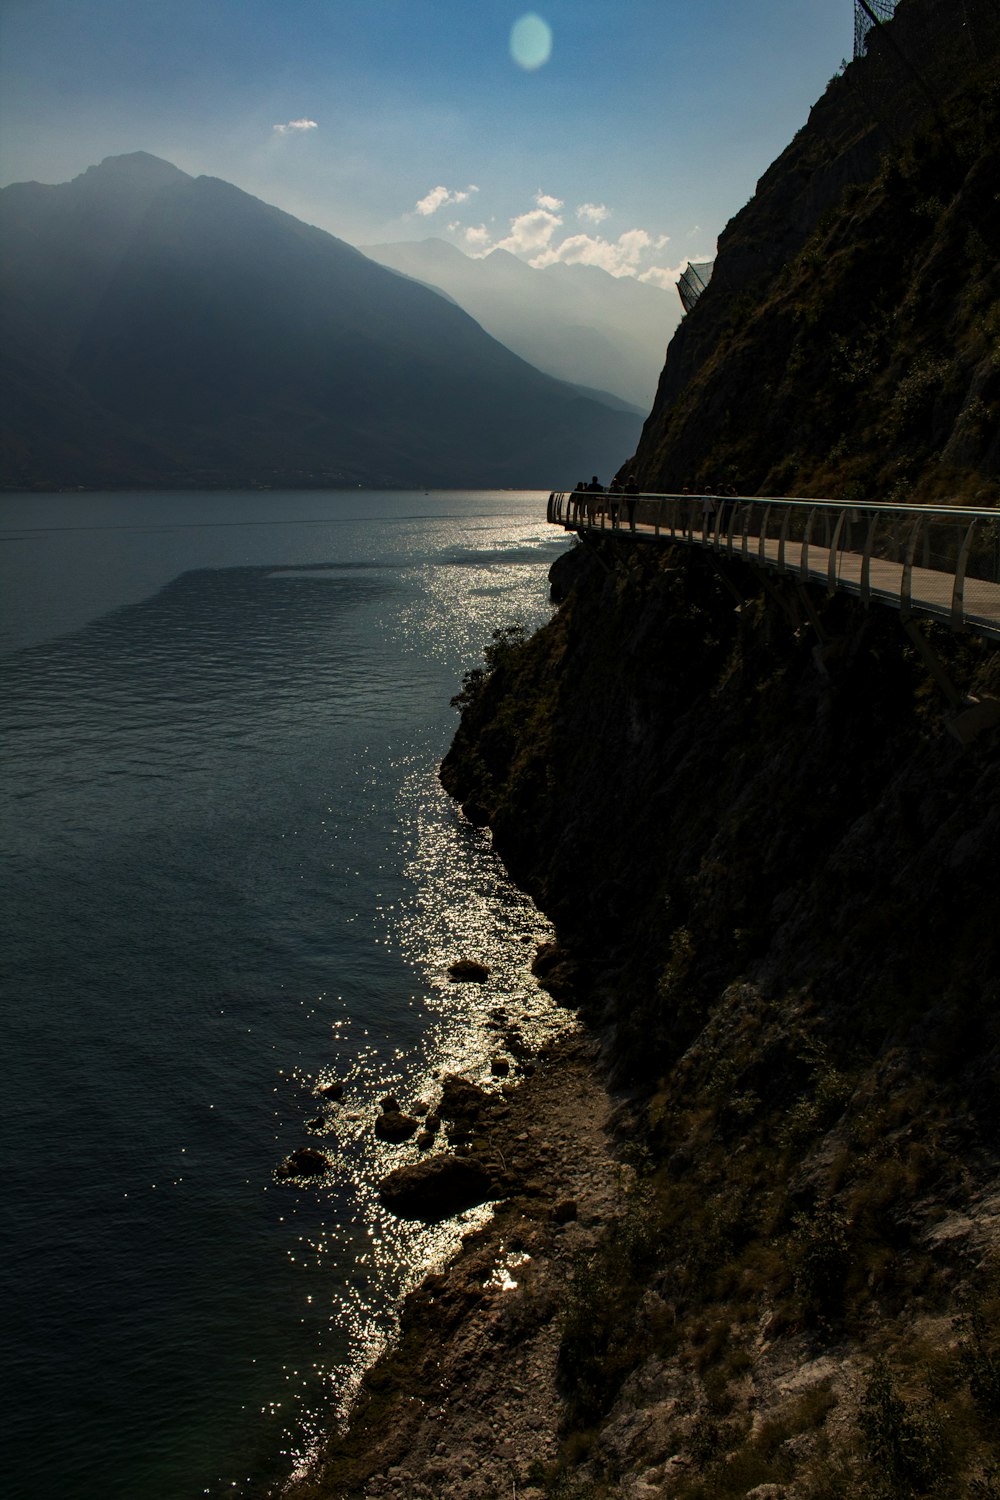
x=804 y=560
x=786 y=522
x=958 y=592
x=831 y=569
x=762 y=539
x=866 y=561
x=906 y=582
x=734 y=513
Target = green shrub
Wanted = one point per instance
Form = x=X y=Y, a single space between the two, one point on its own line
x=903 y=1440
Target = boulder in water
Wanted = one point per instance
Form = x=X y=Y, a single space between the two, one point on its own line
x=395 y=1126
x=306 y=1162
x=436 y=1187
x=469 y=969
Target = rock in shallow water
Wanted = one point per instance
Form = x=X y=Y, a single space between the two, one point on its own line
x=306 y=1162
x=436 y=1188
x=394 y=1126
x=468 y=968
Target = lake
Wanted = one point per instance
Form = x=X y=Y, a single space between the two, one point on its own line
x=232 y=876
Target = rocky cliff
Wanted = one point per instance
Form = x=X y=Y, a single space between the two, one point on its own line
x=774 y=874
x=849 y=341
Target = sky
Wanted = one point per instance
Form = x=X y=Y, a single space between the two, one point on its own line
x=619 y=133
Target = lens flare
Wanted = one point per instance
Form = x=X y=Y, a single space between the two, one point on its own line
x=531 y=42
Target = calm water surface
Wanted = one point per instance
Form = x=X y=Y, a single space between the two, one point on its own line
x=231 y=876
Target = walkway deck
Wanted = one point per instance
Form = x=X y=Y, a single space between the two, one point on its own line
x=957 y=579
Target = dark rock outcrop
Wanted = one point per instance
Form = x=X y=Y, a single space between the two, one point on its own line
x=305 y=1162
x=394 y=1126
x=468 y=969
x=436 y=1188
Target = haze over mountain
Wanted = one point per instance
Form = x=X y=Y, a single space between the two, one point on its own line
x=578 y=323
x=163 y=330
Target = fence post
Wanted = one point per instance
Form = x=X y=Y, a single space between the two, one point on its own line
x=762 y=539
x=786 y=522
x=906 y=582
x=831 y=569
x=866 y=561
x=958 y=592
x=804 y=559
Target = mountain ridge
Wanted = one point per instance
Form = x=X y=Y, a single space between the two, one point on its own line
x=163 y=329
x=578 y=323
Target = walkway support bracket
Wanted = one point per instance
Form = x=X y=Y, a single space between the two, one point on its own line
x=932 y=662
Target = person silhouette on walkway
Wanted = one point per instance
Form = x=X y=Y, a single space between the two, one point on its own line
x=631 y=496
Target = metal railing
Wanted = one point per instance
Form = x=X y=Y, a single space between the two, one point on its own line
x=936 y=560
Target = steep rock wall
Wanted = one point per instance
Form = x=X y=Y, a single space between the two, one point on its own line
x=849 y=342
x=774 y=875
x=662 y=766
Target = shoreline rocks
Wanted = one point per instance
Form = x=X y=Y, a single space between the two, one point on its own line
x=394 y=1126
x=468 y=970
x=305 y=1162
x=437 y=1187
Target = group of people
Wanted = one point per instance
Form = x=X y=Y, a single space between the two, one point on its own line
x=589 y=502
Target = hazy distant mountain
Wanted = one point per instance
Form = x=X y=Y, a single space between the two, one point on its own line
x=159 y=329
x=577 y=323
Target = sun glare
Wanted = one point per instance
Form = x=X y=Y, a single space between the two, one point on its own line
x=531 y=42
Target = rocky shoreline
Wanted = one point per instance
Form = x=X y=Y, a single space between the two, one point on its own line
x=467 y=1405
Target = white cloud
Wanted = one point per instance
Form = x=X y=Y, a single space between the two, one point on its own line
x=530 y=231
x=296 y=125
x=620 y=257
x=535 y=237
x=439 y=196
x=477 y=237
x=665 y=276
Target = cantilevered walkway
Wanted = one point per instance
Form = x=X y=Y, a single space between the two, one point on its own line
x=940 y=561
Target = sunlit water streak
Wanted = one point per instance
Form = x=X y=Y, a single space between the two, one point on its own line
x=231 y=875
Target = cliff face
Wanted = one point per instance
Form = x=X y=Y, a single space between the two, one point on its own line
x=660 y=761
x=775 y=875
x=849 y=341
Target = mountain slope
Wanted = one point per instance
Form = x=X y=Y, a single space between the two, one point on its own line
x=163 y=329
x=577 y=323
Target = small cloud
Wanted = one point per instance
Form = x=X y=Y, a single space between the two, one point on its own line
x=535 y=237
x=664 y=276
x=478 y=238
x=296 y=125
x=618 y=257
x=531 y=231
x=439 y=196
